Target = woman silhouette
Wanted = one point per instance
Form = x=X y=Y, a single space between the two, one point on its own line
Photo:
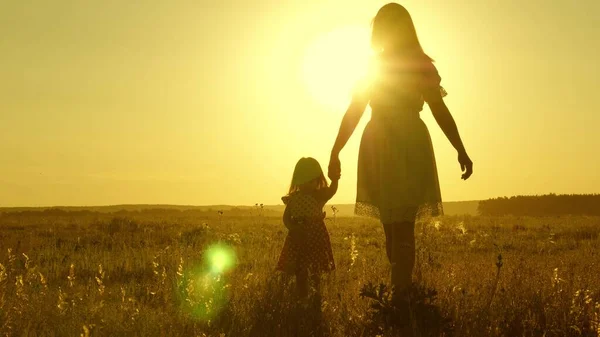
x=397 y=175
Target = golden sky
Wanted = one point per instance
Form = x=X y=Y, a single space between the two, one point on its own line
x=213 y=102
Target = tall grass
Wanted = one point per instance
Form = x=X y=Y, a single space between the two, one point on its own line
x=100 y=275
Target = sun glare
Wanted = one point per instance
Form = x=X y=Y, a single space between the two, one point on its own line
x=334 y=62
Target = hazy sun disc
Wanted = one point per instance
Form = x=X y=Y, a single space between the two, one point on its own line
x=334 y=62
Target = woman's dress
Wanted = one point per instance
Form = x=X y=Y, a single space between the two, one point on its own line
x=397 y=174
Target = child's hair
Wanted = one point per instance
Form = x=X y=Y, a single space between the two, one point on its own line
x=307 y=169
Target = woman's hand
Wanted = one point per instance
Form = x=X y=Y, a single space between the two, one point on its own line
x=466 y=165
x=335 y=168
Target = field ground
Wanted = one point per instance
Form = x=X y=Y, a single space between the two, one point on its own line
x=204 y=274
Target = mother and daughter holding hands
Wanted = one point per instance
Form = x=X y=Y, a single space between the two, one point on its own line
x=397 y=174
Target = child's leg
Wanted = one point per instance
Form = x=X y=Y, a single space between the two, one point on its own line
x=316 y=282
x=387 y=229
x=302 y=283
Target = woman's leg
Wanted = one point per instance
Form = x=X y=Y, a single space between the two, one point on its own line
x=402 y=254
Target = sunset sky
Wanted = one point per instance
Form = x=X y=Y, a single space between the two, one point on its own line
x=213 y=102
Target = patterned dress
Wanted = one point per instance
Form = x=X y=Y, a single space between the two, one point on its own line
x=397 y=174
x=307 y=246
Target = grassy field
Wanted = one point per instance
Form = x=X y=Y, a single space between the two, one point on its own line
x=204 y=274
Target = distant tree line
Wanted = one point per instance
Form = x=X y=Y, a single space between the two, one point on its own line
x=542 y=205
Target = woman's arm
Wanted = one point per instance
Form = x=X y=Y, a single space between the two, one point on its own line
x=349 y=123
x=444 y=118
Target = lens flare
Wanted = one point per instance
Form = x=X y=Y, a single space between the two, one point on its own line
x=220 y=258
x=204 y=288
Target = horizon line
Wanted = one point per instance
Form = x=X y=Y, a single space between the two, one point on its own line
x=192 y=205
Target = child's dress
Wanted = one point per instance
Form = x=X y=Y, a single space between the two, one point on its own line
x=311 y=251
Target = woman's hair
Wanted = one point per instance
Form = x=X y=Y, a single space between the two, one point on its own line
x=307 y=169
x=394 y=31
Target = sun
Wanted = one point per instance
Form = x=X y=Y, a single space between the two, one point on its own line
x=334 y=62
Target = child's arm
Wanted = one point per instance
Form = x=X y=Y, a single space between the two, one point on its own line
x=333 y=187
x=287 y=217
